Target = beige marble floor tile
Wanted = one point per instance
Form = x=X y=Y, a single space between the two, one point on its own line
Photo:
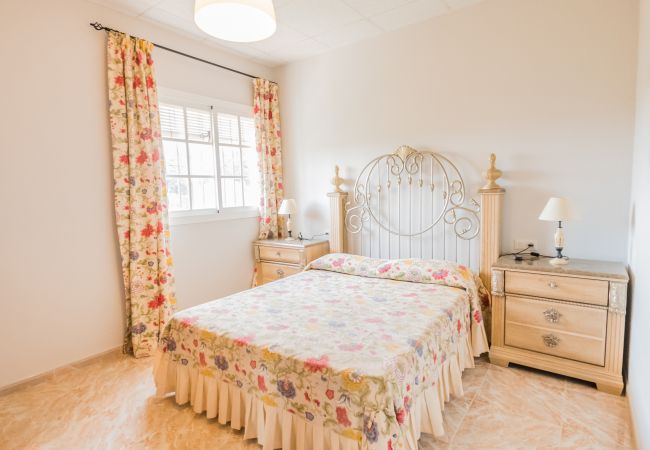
x=513 y=407
x=109 y=404
x=593 y=418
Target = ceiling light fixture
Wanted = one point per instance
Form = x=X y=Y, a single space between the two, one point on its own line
x=236 y=20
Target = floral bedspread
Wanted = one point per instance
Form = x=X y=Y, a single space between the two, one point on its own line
x=349 y=343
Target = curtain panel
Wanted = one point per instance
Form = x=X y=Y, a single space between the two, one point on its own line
x=266 y=109
x=140 y=192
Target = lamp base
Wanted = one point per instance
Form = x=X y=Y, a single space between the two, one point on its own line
x=289 y=238
x=558 y=261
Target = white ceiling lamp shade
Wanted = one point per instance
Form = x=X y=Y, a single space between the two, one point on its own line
x=236 y=20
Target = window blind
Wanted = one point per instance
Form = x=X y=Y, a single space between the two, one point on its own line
x=172 y=121
x=199 y=126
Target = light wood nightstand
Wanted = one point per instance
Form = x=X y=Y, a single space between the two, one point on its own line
x=278 y=258
x=565 y=319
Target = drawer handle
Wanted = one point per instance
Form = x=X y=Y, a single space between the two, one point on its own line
x=552 y=315
x=552 y=284
x=550 y=340
x=280 y=272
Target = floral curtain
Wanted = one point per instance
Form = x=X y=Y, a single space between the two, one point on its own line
x=140 y=192
x=266 y=110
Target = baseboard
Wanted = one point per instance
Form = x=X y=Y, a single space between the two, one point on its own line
x=36 y=379
x=635 y=443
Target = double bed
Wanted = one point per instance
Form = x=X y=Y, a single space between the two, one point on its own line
x=355 y=352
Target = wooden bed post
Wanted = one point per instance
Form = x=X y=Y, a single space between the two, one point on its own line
x=491 y=206
x=338 y=199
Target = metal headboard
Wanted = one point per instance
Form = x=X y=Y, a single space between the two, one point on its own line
x=413 y=203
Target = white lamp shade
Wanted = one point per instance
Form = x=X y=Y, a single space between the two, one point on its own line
x=557 y=209
x=287 y=207
x=236 y=20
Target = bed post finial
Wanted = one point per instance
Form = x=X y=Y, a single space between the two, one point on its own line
x=337 y=181
x=492 y=174
x=491 y=206
x=338 y=199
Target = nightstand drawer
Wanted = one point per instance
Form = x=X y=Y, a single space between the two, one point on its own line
x=272 y=271
x=278 y=258
x=557 y=343
x=558 y=316
x=279 y=254
x=580 y=290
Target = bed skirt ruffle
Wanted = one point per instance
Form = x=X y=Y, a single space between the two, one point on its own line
x=275 y=427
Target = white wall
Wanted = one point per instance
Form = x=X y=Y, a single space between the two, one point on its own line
x=60 y=285
x=547 y=85
x=639 y=310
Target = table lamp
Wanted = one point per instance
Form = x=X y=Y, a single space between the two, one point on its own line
x=287 y=208
x=558 y=210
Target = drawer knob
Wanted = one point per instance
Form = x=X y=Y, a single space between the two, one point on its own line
x=552 y=284
x=280 y=272
x=550 y=340
x=278 y=254
x=552 y=315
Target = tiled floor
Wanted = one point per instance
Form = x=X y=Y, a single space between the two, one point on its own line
x=109 y=404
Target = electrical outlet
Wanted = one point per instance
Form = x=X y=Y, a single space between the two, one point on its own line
x=522 y=244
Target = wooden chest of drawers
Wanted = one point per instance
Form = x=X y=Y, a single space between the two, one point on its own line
x=278 y=258
x=568 y=319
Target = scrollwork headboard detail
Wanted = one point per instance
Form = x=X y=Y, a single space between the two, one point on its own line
x=414 y=203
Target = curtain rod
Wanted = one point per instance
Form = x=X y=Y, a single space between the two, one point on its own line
x=98 y=26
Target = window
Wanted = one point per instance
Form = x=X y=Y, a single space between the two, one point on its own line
x=210 y=157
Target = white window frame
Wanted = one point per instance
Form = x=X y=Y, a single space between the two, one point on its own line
x=186 y=99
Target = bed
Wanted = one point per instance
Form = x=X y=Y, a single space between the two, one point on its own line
x=357 y=351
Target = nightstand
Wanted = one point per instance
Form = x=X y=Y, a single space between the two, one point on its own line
x=278 y=258
x=564 y=319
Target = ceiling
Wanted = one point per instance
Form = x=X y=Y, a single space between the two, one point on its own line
x=305 y=27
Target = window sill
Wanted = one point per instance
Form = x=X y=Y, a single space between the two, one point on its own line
x=190 y=217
